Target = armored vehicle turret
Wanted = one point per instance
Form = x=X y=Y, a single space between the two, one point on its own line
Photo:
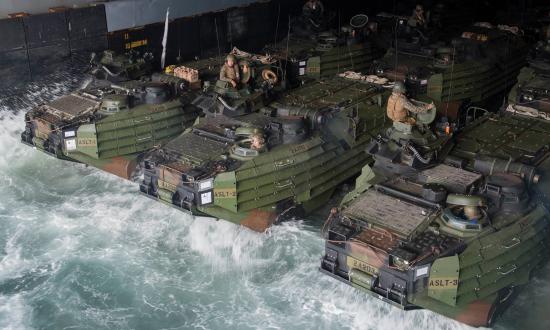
x=255 y=164
x=453 y=224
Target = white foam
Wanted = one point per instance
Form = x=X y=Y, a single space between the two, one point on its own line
x=15 y=314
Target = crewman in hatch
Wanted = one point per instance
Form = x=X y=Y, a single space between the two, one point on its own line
x=313 y=9
x=230 y=71
x=418 y=19
x=399 y=106
x=313 y=12
x=258 y=142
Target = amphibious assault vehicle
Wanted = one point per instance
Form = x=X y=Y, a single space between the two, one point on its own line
x=255 y=164
x=453 y=224
x=476 y=69
x=531 y=95
x=109 y=127
x=121 y=67
x=325 y=54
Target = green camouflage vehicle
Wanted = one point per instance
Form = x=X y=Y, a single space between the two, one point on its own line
x=453 y=224
x=509 y=141
x=531 y=95
x=121 y=67
x=109 y=127
x=476 y=69
x=325 y=54
x=255 y=164
x=539 y=59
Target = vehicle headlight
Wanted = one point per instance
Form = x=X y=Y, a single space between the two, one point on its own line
x=400 y=264
x=206 y=198
x=527 y=97
x=69 y=134
x=204 y=185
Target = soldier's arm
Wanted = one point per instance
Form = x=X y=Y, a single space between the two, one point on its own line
x=411 y=107
x=223 y=76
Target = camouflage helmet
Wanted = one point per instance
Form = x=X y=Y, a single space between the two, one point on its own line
x=399 y=87
x=231 y=57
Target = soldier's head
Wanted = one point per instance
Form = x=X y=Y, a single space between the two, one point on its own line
x=399 y=88
x=312 y=3
x=258 y=141
x=230 y=59
x=419 y=9
x=245 y=66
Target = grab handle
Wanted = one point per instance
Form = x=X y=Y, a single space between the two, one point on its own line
x=509 y=271
x=513 y=242
x=283 y=163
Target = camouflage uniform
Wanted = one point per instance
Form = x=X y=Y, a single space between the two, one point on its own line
x=417 y=18
x=399 y=107
x=229 y=74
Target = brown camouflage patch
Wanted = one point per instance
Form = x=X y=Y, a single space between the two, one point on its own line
x=170 y=175
x=477 y=313
x=43 y=129
x=365 y=253
x=121 y=167
x=259 y=220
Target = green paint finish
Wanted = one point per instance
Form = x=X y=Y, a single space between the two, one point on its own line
x=443 y=280
x=225 y=191
x=302 y=174
x=86 y=141
x=503 y=136
x=133 y=131
x=340 y=59
x=474 y=81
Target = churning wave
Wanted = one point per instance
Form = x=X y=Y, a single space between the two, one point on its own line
x=80 y=249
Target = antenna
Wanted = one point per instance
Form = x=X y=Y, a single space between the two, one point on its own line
x=277 y=26
x=217 y=38
x=450 y=84
x=508 y=53
x=164 y=40
x=287 y=46
x=339 y=33
x=396 y=28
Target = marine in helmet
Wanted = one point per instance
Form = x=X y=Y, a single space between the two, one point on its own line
x=313 y=9
x=257 y=142
x=399 y=106
x=418 y=19
x=230 y=71
x=245 y=73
